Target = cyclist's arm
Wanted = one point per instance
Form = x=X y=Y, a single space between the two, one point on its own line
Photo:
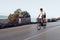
x=39 y=15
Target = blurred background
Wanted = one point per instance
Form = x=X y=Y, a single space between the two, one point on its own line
x=51 y=7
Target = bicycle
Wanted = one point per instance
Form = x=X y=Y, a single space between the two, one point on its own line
x=41 y=23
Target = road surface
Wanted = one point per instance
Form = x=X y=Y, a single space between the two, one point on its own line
x=30 y=32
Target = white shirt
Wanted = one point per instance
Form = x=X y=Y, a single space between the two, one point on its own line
x=42 y=13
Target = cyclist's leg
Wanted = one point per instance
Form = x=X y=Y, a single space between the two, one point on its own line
x=39 y=26
x=44 y=23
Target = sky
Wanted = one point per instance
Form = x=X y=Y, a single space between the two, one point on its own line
x=51 y=7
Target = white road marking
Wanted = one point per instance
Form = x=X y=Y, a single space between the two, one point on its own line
x=41 y=33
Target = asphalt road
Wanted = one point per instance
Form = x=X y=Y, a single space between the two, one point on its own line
x=26 y=32
x=51 y=34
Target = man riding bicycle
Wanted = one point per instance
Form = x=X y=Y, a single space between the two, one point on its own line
x=42 y=18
